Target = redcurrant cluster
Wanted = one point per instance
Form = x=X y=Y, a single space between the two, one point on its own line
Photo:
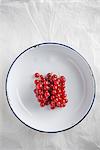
x=50 y=90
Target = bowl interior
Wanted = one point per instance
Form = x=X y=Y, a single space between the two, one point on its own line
x=62 y=61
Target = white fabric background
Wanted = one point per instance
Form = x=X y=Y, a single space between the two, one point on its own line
x=24 y=23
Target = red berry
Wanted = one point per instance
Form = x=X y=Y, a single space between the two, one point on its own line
x=58 y=80
x=52 y=97
x=39 y=100
x=59 y=86
x=63 y=90
x=59 y=91
x=40 y=91
x=58 y=95
x=61 y=105
x=49 y=75
x=41 y=77
x=56 y=83
x=58 y=104
x=36 y=81
x=43 y=100
x=54 y=92
x=64 y=105
x=45 y=82
x=64 y=96
x=63 y=101
x=60 y=99
x=51 y=85
x=35 y=91
x=52 y=105
x=37 y=75
x=62 y=78
x=63 y=85
x=42 y=104
x=51 y=81
x=54 y=75
x=40 y=97
x=47 y=94
x=55 y=87
x=39 y=86
x=56 y=100
x=46 y=87
x=47 y=102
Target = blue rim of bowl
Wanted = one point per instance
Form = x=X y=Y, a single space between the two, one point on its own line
x=91 y=74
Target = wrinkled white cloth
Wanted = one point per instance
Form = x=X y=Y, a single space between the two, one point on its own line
x=24 y=23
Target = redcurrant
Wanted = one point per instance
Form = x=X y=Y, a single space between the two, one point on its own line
x=36 y=81
x=54 y=92
x=37 y=75
x=39 y=86
x=42 y=104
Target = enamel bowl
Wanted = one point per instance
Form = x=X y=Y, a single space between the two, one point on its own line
x=59 y=59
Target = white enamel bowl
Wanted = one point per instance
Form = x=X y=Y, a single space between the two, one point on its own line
x=62 y=60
